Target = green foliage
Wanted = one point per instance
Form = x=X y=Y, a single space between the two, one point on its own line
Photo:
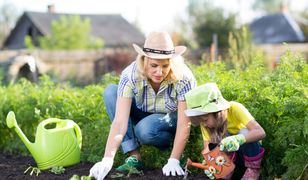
x=69 y=33
x=304 y=25
x=290 y=89
x=241 y=49
x=277 y=100
x=269 y=6
x=37 y=102
x=2 y=75
x=299 y=155
x=131 y=171
x=207 y=20
x=57 y=169
x=76 y=177
x=8 y=17
x=29 y=43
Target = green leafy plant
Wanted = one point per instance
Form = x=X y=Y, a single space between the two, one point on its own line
x=117 y=175
x=76 y=177
x=276 y=99
x=57 y=169
x=133 y=170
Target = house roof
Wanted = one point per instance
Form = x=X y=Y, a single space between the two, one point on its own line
x=276 y=28
x=112 y=28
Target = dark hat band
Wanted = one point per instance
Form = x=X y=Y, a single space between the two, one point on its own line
x=158 y=51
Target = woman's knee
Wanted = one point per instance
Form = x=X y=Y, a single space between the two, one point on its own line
x=143 y=134
x=151 y=135
x=110 y=99
x=110 y=91
x=110 y=94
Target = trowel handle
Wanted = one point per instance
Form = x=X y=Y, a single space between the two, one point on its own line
x=78 y=134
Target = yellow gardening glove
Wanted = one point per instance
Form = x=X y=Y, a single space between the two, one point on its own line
x=232 y=143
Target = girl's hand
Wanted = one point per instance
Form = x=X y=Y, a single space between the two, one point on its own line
x=232 y=143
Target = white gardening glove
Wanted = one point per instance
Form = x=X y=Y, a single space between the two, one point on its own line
x=102 y=168
x=174 y=167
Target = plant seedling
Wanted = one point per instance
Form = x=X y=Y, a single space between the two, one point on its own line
x=57 y=169
x=133 y=170
x=35 y=170
x=76 y=177
x=117 y=175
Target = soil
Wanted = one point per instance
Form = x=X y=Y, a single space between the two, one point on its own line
x=13 y=167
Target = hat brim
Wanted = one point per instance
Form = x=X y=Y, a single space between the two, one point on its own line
x=178 y=50
x=210 y=108
x=193 y=112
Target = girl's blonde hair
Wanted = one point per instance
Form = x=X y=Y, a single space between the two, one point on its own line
x=176 y=67
x=220 y=130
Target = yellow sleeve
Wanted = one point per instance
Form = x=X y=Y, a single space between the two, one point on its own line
x=240 y=113
x=205 y=133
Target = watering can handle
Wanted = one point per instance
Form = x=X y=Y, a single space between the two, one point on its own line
x=78 y=134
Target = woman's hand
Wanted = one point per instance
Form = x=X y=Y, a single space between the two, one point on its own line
x=174 y=167
x=102 y=168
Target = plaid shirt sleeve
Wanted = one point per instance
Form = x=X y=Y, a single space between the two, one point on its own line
x=185 y=85
x=124 y=87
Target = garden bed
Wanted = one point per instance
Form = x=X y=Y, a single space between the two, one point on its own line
x=13 y=167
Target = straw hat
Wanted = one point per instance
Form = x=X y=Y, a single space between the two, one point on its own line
x=205 y=99
x=159 y=45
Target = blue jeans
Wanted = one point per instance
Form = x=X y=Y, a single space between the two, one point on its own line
x=249 y=149
x=157 y=129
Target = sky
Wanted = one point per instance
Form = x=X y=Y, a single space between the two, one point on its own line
x=150 y=15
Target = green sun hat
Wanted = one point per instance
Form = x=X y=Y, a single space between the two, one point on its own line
x=205 y=99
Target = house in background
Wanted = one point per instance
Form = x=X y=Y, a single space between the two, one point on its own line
x=271 y=32
x=113 y=29
x=276 y=28
x=84 y=66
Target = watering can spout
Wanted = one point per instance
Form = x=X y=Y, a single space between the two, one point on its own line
x=12 y=123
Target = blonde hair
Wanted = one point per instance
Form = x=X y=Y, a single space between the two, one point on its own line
x=220 y=130
x=176 y=67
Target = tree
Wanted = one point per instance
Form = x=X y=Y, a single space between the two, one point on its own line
x=69 y=32
x=207 y=20
x=241 y=51
x=304 y=22
x=8 y=17
x=270 y=6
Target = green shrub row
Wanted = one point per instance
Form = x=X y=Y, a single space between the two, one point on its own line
x=277 y=99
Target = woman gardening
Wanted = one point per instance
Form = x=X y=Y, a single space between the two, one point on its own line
x=228 y=124
x=147 y=106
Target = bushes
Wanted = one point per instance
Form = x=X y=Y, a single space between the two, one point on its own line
x=278 y=101
x=33 y=103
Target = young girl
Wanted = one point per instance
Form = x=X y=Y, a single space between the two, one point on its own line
x=228 y=124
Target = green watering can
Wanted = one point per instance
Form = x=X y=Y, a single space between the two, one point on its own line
x=58 y=146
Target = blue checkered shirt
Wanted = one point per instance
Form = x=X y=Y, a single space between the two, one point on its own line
x=165 y=100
